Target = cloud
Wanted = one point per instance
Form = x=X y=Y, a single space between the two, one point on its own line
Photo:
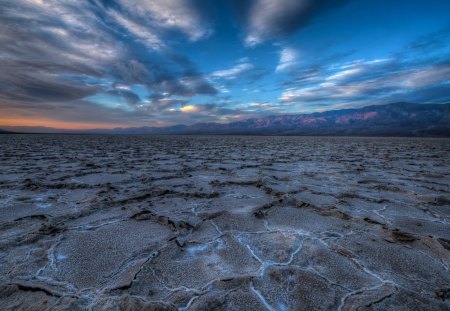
x=344 y=73
x=151 y=22
x=190 y=109
x=264 y=106
x=43 y=42
x=187 y=16
x=170 y=74
x=58 y=57
x=428 y=76
x=159 y=102
x=288 y=59
x=141 y=32
x=372 y=81
x=234 y=72
x=77 y=113
x=268 y=19
x=431 y=43
x=184 y=85
x=128 y=96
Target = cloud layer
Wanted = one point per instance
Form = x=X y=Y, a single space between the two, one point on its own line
x=134 y=62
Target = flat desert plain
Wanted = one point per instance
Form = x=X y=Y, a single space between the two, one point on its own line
x=224 y=223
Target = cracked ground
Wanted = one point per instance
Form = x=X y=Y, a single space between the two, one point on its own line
x=224 y=223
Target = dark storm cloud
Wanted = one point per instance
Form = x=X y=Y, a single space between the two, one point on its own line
x=268 y=19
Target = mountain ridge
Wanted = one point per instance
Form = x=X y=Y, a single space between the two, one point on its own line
x=395 y=119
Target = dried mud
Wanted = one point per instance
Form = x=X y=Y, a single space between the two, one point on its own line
x=224 y=223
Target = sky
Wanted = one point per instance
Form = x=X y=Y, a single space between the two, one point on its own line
x=79 y=64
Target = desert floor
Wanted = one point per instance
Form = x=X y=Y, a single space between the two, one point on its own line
x=224 y=223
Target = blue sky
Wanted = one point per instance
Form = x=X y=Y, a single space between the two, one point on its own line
x=81 y=64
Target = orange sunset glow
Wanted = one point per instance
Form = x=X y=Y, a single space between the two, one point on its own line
x=13 y=121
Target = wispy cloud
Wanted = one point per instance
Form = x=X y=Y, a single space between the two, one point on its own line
x=267 y=19
x=288 y=59
x=344 y=73
x=141 y=32
x=233 y=72
x=150 y=21
x=371 y=81
x=181 y=15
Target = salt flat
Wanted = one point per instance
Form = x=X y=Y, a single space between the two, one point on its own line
x=224 y=223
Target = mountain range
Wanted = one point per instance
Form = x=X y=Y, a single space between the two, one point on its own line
x=397 y=119
x=4 y=132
